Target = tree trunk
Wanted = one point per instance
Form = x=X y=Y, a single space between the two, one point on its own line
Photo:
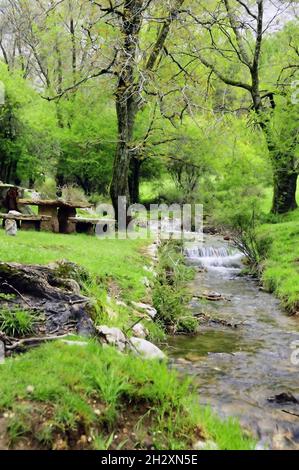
x=134 y=180
x=126 y=101
x=285 y=185
x=119 y=185
x=284 y=172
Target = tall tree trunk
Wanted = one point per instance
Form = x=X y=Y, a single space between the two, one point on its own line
x=134 y=180
x=285 y=184
x=129 y=89
x=60 y=178
x=126 y=101
x=284 y=174
x=120 y=178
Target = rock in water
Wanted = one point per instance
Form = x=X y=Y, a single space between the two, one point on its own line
x=11 y=227
x=146 y=349
x=283 y=398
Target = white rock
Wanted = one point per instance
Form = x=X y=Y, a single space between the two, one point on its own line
x=15 y=213
x=30 y=389
x=146 y=282
x=151 y=311
x=140 y=331
x=113 y=336
x=145 y=349
x=11 y=227
x=205 y=445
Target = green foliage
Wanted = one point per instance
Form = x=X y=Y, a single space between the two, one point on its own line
x=73 y=194
x=88 y=390
x=280 y=268
x=170 y=296
x=255 y=248
x=242 y=173
x=47 y=188
x=87 y=141
x=16 y=322
x=26 y=125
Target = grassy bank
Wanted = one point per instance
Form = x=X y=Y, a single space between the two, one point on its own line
x=281 y=267
x=117 y=260
x=67 y=396
x=74 y=396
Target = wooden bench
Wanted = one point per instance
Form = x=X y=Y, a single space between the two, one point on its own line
x=28 y=221
x=88 y=225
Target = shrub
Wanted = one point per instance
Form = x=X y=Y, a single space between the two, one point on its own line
x=254 y=248
x=47 y=189
x=16 y=322
x=170 y=296
x=73 y=194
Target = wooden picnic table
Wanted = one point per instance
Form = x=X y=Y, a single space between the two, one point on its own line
x=59 y=211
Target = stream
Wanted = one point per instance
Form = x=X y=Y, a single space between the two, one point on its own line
x=239 y=370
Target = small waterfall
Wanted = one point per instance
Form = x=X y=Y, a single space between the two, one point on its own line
x=214 y=257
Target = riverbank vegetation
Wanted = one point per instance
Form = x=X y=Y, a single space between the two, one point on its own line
x=280 y=269
x=76 y=394
x=170 y=294
x=64 y=396
x=162 y=102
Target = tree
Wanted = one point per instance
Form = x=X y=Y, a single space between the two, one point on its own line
x=133 y=73
x=235 y=31
x=60 y=51
x=126 y=40
x=27 y=144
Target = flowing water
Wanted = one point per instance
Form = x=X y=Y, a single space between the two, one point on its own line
x=238 y=369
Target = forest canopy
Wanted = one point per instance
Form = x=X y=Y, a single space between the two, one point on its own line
x=172 y=101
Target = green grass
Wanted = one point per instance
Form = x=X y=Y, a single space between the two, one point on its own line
x=116 y=269
x=117 y=260
x=67 y=396
x=281 y=268
x=16 y=322
x=63 y=392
